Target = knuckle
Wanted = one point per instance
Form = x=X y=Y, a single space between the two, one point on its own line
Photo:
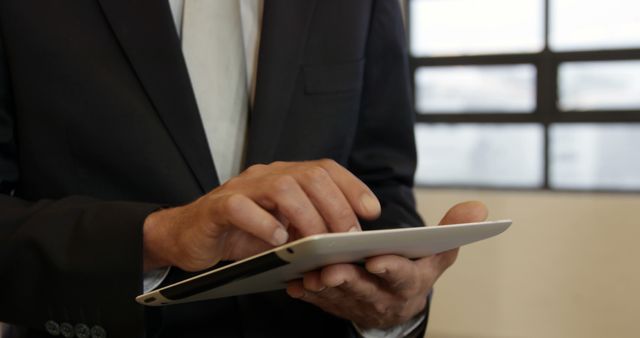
x=341 y=270
x=332 y=275
x=316 y=175
x=283 y=184
x=381 y=308
x=405 y=284
x=295 y=209
x=328 y=163
x=368 y=293
x=256 y=168
x=233 y=204
x=345 y=216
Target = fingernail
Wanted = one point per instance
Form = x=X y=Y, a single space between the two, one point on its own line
x=297 y=295
x=320 y=290
x=355 y=228
x=337 y=284
x=280 y=237
x=370 y=204
x=376 y=270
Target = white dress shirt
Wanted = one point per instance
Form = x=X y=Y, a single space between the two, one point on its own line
x=251 y=16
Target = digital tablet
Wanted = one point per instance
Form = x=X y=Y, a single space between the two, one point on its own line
x=271 y=270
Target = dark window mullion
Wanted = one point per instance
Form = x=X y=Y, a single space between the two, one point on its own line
x=547 y=98
x=616 y=116
x=547 y=93
x=631 y=116
x=599 y=55
x=499 y=59
x=477 y=118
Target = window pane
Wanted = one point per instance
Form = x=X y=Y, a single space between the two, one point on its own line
x=480 y=155
x=468 y=89
x=595 y=156
x=460 y=27
x=599 y=85
x=594 y=24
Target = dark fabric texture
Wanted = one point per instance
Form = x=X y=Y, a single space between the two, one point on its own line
x=99 y=127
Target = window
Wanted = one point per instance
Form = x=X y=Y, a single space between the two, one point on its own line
x=536 y=94
x=466 y=153
x=475 y=89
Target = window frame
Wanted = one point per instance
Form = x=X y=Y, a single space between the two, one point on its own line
x=546 y=113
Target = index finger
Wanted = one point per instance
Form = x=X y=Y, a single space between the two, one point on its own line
x=363 y=201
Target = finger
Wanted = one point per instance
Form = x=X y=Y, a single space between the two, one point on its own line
x=359 y=284
x=360 y=197
x=328 y=199
x=352 y=285
x=245 y=214
x=312 y=282
x=295 y=206
x=432 y=267
x=296 y=289
x=399 y=273
x=334 y=275
x=466 y=212
x=444 y=260
x=282 y=219
x=352 y=280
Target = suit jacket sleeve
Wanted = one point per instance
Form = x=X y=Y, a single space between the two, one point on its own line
x=384 y=154
x=74 y=260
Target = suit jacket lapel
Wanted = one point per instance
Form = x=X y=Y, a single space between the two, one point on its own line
x=146 y=32
x=285 y=25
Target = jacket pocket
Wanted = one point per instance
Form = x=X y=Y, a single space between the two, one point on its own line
x=333 y=78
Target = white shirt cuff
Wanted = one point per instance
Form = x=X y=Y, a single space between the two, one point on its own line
x=399 y=331
x=154 y=278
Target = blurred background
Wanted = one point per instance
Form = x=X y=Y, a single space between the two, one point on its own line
x=533 y=106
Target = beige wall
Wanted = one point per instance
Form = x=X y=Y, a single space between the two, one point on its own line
x=568 y=267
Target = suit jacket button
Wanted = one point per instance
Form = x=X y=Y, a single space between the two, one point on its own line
x=67 y=330
x=83 y=331
x=52 y=328
x=98 y=332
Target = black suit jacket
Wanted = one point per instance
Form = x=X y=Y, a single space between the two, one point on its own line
x=99 y=127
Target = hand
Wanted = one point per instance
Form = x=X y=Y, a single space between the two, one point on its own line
x=390 y=290
x=263 y=207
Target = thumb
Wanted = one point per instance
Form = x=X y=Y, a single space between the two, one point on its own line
x=465 y=212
